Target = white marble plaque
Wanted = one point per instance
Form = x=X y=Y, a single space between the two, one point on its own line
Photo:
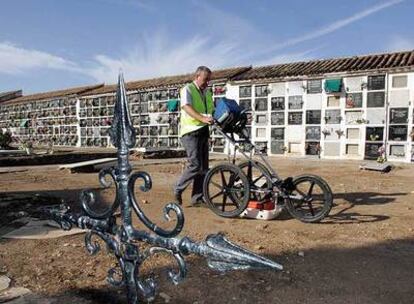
x=294 y=133
x=352 y=149
x=333 y=101
x=332 y=149
x=295 y=148
x=397 y=150
x=295 y=88
x=278 y=89
x=399 y=98
x=314 y=101
x=261 y=132
x=376 y=116
x=352 y=117
x=353 y=84
x=352 y=133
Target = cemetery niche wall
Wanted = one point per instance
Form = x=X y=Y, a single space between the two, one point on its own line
x=344 y=108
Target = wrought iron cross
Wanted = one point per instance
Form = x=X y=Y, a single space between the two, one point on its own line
x=122 y=238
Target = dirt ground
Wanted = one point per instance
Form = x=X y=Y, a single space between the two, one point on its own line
x=362 y=253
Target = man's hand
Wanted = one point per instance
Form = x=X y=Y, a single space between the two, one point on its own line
x=194 y=114
x=207 y=120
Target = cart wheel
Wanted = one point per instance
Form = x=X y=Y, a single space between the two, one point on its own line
x=311 y=200
x=226 y=190
x=259 y=179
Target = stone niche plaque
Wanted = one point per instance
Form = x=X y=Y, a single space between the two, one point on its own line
x=314 y=101
x=399 y=81
x=376 y=82
x=295 y=148
x=260 y=104
x=376 y=116
x=261 y=90
x=294 y=133
x=312 y=148
x=399 y=98
x=397 y=150
x=261 y=132
x=398 y=115
x=313 y=117
x=246 y=104
x=261 y=119
x=295 y=87
x=398 y=133
x=375 y=99
x=278 y=103
x=295 y=102
x=278 y=118
x=353 y=100
x=245 y=91
x=352 y=133
x=278 y=89
x=352 y=117
x=333 y=101
x=332 y=132
x=374 y=134
x=277 y=133
x=295 y=118
x=354 y=84
x=277 y=147
x=332 y=116
x=332 y=149
x=371 y=150
x=313 y=133
x=352 y=149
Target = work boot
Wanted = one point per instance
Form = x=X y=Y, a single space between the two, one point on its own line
x=199 y=202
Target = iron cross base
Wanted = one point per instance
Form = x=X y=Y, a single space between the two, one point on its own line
x=122 y=239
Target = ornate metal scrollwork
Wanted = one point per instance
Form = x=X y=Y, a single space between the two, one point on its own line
x=122 y=238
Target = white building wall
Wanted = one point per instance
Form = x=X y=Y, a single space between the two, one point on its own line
x=346 y=138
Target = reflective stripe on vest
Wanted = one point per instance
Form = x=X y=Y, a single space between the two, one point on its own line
x=189 y=124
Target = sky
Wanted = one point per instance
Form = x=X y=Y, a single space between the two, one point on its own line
x=53 y=44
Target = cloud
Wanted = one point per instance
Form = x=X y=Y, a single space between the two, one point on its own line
x=399 y=43
x=16 y=60
x=159 y=55
x=330 y=28
x=226 y=25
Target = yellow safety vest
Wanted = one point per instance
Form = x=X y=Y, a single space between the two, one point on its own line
x=189 y=124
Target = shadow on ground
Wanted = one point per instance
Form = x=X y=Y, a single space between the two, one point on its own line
x=377 y=273
x=347 y=216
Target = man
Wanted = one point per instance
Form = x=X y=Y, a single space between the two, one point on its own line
x=196 y=115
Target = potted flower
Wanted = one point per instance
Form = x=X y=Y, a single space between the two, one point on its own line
x=361 y=121
x=27 y=145
x=374 y=137
x=339 y=133
x=49 y=146
x=326 y=132
x=382 y=158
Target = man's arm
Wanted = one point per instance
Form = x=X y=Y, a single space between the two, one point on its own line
x=194 y=114
x=186 y=105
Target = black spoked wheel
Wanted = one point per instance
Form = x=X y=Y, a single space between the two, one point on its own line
x=311 y=200
x=259 y=178
x=226 y=190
